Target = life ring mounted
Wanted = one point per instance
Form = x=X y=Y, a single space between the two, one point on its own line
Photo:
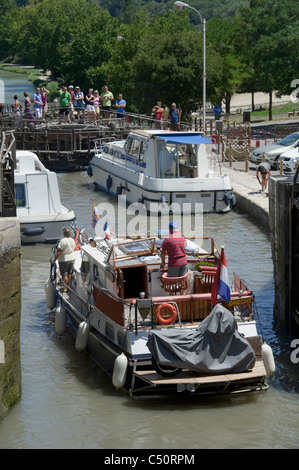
x=171 y=310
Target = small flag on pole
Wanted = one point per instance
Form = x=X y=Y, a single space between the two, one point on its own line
x=107 y=230
x=95 y=216
x=220 y=288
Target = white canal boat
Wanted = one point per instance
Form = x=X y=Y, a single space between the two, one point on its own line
x=154 y=167
x=156 y=335
x=39 y=207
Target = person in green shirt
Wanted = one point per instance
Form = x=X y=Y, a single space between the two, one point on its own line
x=65 y=100
x=106 y=98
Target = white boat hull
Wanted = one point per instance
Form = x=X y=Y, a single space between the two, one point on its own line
x=44 y=229
x=201 y=195
x=150 y=171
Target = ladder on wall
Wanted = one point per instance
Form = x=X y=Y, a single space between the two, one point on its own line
x=7 y=167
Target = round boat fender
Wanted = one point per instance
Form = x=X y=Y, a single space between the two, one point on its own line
x=173 y=314
x=120 y=371
x=82 y=336
x=232 y=200
x=268 y=359
x=50 y=294
x=108 y=182
x=60 y=320
x=119 y=190
x=89 y=170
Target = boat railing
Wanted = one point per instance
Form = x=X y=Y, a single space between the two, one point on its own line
x=100 y=143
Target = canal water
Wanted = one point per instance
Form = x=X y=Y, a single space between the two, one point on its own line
x=14 y=84
x=68 y=402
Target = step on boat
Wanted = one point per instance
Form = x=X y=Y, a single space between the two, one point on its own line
x=39 y=207
x=154 y=167
x=157 y=335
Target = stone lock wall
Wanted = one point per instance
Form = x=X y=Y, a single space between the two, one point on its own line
x=10 y=314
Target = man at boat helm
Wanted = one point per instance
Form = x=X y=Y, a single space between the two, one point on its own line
x=175 y=247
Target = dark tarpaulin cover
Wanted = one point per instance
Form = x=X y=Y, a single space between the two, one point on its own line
x=214 y=347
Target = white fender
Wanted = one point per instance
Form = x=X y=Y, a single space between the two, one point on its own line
x=60 y=320
x=82 y=336
x=268 y=359
x=120 y=371
x=50 y=294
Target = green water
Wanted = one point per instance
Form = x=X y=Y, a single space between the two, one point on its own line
x=11 y=84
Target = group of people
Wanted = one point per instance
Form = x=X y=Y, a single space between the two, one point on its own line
x=173 y=116
x=73 y=99
x=70 y=99
x=40 y=107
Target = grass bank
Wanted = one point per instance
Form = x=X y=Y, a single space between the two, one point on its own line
x=279 y=113
x=31 y=74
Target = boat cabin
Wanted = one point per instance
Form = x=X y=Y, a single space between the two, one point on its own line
x=36 y=188
x=161 y=155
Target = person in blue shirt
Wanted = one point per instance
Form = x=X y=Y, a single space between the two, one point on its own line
x=38 y=104
x=174 y=116
x=120 y=107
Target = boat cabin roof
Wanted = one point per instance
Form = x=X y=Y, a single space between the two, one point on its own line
x=179 y=137
x=28 y=162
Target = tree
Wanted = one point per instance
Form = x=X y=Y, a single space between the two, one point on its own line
x=265 y=37
x=168 y=65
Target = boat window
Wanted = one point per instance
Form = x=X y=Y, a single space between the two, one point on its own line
x=132 y=146
x=142 y=150
x=167 y=160
x=109 y=331
x=121 y=339
x=136 y=248
x=98 y=275
x=20 y=195
x=176 y=160
x=85 y=269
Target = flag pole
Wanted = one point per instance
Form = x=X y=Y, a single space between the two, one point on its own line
x=92 y=214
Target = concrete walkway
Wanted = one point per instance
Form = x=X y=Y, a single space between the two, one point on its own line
x=249 y=198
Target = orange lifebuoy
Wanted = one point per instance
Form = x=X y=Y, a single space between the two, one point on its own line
x=171 y=319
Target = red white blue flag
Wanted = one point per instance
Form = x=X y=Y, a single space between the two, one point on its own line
x=107 y=230
x=220 y=288
x=95 y=216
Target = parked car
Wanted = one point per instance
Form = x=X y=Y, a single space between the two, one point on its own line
x=290 y=159
x=273 y=152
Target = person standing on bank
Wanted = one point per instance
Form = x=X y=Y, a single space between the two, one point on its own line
x=65 y=100
x=120 y=108
x=38 y=104
x=263 y=169
x=175 y=247
x=66 y=254
x=158 y=112
x=106 y=98
x=174 y=115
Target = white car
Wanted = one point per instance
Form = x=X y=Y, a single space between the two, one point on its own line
x=290 y=159
x=273 y=152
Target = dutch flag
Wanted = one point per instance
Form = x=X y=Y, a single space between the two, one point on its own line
x=95 y=216
x=220 y=289
x=107 y=230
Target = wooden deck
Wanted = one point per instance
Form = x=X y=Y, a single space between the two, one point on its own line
x=189 y=377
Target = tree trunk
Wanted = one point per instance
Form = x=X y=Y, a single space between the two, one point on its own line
x=270 y=106
x=227 y=102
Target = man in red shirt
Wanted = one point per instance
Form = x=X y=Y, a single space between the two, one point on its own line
x=175 y=247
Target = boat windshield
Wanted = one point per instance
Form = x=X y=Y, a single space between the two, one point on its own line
x=132 y=248
x=177 y=160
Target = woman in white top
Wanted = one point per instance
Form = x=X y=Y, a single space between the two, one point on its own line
x=66 y=254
